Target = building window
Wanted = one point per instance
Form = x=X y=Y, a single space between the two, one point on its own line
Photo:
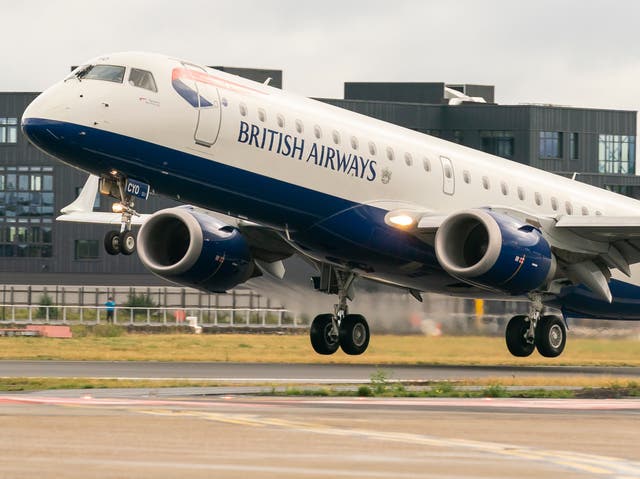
x=497 y=142
x=26 y=210
x=574 y=146
x=8 y=130
x=86 y=249
x=620 y=189
x=617 y=154
x=550 y=144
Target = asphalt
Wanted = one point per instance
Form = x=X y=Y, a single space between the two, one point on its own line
x=316 y=373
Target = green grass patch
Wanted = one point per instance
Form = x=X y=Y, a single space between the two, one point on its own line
x=111 y=342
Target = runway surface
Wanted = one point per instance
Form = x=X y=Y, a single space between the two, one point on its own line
x=234 y=437
x=301 y=373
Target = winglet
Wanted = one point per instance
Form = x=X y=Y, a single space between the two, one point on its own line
x=86 y=199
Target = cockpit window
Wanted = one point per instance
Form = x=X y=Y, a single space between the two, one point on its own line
x=142 y=79
x=112 y=73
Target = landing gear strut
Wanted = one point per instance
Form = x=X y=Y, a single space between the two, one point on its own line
x=341 y=329
x=546 y=333
x=123 y=241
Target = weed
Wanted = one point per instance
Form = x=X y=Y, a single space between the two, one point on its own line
x=365 y=391
x=495 y=391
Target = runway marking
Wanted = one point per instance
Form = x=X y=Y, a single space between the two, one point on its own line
x=592 y=464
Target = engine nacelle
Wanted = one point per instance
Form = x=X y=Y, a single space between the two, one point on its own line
x=194 y=249
x=494 y=251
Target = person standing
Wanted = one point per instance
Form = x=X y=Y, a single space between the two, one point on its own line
x=111 y=307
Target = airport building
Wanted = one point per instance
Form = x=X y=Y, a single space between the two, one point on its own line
x=598 y=145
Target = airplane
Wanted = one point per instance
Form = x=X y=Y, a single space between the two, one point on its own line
x=355 y=196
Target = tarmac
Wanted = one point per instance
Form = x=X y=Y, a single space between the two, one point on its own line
x=219 y=432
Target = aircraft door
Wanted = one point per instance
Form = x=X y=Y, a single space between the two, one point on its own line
x=208 y=106
x=448 y=176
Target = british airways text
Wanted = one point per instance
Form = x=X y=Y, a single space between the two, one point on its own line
x=318 y=154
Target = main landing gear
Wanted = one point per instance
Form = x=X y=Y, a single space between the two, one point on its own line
x=546 y=333
x=122 y=241
x=341 y=329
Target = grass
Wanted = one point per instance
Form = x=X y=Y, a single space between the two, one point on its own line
x=612 y=390
x=383 y=350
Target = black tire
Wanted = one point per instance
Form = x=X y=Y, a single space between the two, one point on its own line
x=551 y=336
x=127 y=243
x=322 y=341
x=354 y=334
x=515 y=336
x=112 y=242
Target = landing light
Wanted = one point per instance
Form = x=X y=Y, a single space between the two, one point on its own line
x=113 y=172
x=117 y=208
x=401 y=220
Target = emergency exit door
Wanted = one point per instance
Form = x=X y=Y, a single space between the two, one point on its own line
x=208 y=112
x=448 y=176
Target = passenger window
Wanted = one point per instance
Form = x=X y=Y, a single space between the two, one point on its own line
x=372 y=148
x=568 y=207
x=336 y=137
x=466 y=176
x=142 y=79
x=585 y=211
x=504 y=188
x=243 y=109
x=598 y=213
x=390 y=154
x=317 y=132
x=485 y=183
x=280 y=121
x=111 y=73
x=521 y=195
x=538 y=197
x=262 y=116
x=354 y=143
x=426 y=164
x=408 y=159
x=554 y=203
x=299 y=126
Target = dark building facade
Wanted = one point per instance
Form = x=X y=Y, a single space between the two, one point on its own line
x=35 y=249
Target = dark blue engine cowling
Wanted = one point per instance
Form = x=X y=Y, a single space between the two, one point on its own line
x=494 y=251
x=194 y=249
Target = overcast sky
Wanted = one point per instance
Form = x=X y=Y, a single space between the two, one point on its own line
x=581 y=53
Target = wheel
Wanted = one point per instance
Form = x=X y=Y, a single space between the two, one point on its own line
x=354 y=334
x=322 y=338
x=551 y=336
x=516 y=336
x=127 y=243
x=112 y=242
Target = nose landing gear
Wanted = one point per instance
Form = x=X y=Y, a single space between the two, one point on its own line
x=123 y=241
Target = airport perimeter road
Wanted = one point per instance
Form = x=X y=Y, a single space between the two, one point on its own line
x=312 y=373
x=268 y=438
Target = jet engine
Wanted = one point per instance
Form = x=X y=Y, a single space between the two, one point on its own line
x=494 y=251
x=192 y=248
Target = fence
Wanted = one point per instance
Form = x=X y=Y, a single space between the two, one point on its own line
x=153 y=316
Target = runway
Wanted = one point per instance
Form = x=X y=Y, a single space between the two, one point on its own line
x=234 y=437
x=293 y=373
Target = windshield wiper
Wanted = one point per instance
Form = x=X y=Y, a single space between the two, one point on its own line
x=80 y=74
